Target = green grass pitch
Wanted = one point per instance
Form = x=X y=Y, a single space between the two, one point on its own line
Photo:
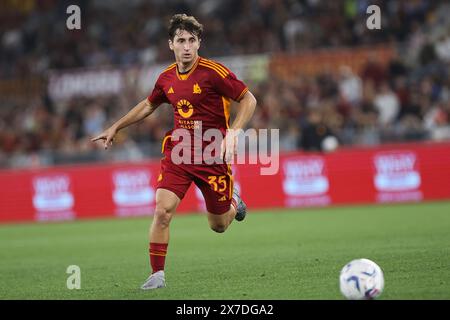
x=274 y=254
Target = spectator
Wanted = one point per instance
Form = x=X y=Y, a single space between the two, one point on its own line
x=350 y=86
x=387 y=105
x=314 y=131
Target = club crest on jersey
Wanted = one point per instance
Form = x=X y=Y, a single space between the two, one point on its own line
x=182 y=105
x=197 y=89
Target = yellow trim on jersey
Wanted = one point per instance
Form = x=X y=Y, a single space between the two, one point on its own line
x=226 y=110
x=213 y=68
x=221 y=73
x=217 y=65
x=170 y=67
x=229 y=173
x=163 y=143
x=185 y=76
x=242 y=94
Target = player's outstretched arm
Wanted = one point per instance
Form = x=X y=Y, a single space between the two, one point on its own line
x=247 y=106
x=139 y=112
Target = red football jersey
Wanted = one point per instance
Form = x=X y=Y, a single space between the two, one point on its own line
x=201 y=96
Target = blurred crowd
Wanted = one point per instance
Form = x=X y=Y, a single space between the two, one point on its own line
x=34 y=37
x=408 y=100
x=380 y=105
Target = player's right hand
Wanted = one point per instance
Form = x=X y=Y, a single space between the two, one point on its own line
x=229 y=145
x=107 y=136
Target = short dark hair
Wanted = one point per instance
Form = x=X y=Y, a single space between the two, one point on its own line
x=185 y=22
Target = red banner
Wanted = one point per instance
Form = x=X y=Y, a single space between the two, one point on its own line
x=396 y=173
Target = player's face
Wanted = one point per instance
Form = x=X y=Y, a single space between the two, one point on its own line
x=185 y=46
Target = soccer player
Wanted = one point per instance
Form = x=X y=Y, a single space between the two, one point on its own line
x=199 y=91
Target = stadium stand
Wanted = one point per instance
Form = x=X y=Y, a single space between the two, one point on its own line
x=405 y=99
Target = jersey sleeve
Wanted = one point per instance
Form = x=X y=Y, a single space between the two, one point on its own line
x=158 y=96
x=229 y=85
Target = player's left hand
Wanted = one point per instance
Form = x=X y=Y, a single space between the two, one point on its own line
x=229 y=146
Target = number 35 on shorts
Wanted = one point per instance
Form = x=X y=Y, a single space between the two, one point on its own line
x=218 y=183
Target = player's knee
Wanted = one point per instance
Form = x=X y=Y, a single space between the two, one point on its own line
x=162 y=217
x=219 y=227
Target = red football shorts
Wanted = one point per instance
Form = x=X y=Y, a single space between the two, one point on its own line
x=214 y=181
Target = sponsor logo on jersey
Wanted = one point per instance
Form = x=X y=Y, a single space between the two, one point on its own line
x=185 y=108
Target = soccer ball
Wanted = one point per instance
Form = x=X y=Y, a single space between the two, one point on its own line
x=361 y=279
